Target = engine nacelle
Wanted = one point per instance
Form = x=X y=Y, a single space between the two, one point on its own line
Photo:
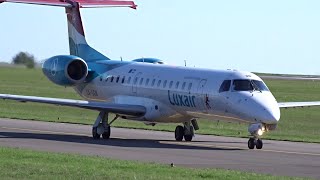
x=65 y=70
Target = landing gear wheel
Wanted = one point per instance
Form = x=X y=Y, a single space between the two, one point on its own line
x=251 y=143
x=107 y=132
x=95 y=134
x=259 y=144
x=179 y=132
x=188 y=137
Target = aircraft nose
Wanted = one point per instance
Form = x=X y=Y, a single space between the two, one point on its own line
x=271 y=114
x=269 y=109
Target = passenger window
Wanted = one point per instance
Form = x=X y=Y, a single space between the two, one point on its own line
x=165 y=84
x=183 y=85
x=225 y=86
x=159 y=83
x=141 y=81
x=170 y=85
x=123 y=79
x=147 y=82
x=177 y=85
x=112 y=79
x=190 y=86
x=153 y=82
x=129 y=80
x=118 y=79
x=135 y=80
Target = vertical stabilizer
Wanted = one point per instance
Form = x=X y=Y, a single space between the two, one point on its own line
x=77 y=41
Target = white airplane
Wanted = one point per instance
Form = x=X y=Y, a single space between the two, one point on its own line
x=152 y=92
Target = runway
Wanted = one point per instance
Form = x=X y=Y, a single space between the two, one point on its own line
x=277 y=158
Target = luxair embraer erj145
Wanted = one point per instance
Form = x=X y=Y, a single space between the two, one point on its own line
x=149 y=91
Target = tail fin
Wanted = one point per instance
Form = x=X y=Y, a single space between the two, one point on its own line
x=77 y=43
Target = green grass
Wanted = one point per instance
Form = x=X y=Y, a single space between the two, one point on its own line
x=301 y=124
x=27 y=164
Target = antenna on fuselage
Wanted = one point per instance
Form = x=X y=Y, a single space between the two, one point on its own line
x=185 y=63
x=121 y=58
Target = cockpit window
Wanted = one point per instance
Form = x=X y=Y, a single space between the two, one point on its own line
x=261 y=86
x=225 y=86
x=249 y=85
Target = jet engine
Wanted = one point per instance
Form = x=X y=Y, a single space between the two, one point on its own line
x=65 y=70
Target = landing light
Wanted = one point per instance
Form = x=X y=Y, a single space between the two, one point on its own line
x=260 y=132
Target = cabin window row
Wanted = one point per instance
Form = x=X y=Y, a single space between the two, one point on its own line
x=148 y=82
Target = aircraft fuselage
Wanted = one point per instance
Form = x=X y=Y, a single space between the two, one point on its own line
x=176 y=94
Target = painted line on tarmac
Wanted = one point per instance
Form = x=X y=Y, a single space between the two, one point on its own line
x=240 y=148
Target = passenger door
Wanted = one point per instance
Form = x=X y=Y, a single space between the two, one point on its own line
x=203 y=97
x=136 y=82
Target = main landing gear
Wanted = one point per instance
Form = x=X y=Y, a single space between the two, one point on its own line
x=102 y=126
x=186 y=131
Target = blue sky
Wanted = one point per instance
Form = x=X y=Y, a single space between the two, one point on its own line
x=261 y=36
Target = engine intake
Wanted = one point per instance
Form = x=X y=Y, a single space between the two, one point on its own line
x=65 y=70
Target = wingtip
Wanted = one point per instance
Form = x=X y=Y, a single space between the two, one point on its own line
x=134 y=6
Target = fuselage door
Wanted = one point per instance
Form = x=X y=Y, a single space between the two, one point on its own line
x=203 y=97
x=135 y=82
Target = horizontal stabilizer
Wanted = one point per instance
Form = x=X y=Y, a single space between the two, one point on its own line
x=82 y=3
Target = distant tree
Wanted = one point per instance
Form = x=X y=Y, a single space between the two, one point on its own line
x=24 y=58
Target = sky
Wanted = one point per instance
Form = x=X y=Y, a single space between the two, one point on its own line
x=259 y=36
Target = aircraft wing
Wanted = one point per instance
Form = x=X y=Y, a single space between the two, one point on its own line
x=134 y=110
x=298 y=104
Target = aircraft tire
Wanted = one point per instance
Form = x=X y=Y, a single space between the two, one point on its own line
x=188 y=137
x=259 y=144
x=179 y=132
x=95 y=134
x=106 y=134
x=251 y=143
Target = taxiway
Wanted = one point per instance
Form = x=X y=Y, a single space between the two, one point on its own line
x=277 y=157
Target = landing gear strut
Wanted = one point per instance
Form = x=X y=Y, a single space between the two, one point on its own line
x=102 y=126
x=186 y=131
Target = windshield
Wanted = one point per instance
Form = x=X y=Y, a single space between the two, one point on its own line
x=225 y=86
x=249 y=85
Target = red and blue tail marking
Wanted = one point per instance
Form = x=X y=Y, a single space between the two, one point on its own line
x=77 y=42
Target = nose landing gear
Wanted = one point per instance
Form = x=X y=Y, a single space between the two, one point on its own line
x=256 y=130
x=253 y=142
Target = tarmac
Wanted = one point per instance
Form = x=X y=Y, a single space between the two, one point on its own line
x=276 y=158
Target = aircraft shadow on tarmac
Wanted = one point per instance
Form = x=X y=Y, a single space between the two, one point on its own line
x=117 y=142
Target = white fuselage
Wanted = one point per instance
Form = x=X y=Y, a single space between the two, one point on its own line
x=178 y=94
